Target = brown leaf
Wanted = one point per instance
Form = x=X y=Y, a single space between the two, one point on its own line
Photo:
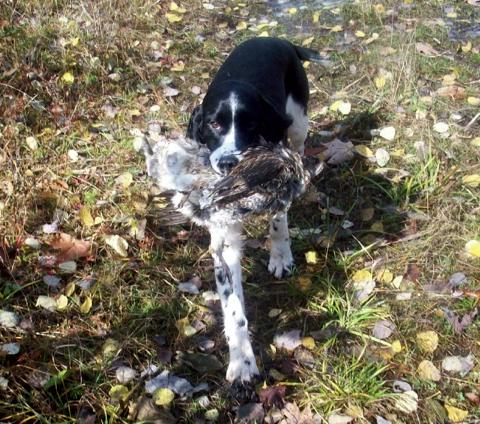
x=473 y=397
x=426 y=49
x=272 y=396
x=70 y=248
x=452 y=91
x=459 y=324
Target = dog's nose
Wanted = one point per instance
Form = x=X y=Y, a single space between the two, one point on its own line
x=226 y=163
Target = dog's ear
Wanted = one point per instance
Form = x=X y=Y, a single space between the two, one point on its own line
x=194 y=130
x=274 y=122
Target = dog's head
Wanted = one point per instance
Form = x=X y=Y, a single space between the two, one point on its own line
x=233 y=117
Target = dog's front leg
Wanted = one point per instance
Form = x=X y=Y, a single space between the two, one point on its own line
x=226 y=246
x=281 y=259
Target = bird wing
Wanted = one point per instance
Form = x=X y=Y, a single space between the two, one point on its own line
x=252 y=175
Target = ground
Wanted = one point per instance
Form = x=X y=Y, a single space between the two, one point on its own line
x=380 y=312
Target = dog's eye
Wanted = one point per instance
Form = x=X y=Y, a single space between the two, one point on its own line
x=215 y=125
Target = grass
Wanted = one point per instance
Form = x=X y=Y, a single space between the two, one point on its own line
x=122 y=55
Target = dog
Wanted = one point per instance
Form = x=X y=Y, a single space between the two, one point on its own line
x=259 y=95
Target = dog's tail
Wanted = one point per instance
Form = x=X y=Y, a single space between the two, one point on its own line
x=312 y=56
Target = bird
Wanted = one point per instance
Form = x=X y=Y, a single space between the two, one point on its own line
x=267 y=179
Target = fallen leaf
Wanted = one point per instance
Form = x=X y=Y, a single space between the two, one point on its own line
x=367 y=214
x=304 y=283
x=201 y=362
x=124 y=180
x=178 y=385
x=70 y=248
x=452 y=91
x=32 y=143
x=174 y=7
x=388 y=133
x=380 y=82
x=292 y=10
x=9 y=348
x=456 y=415
x=363 y=150
x=188 y=287
x=118 y=244
x=407 y=402
x=163 y=396
x=70 y=289
x=382 y=157
x=441 y=127
x=383 y=329
x=9 y=319
x=250 y=413
x=67 y=267
x=339 y=419
x=473 y=101
x=289 y=340
x=428 y=371
x=308 y=342
x=342 y=106
x=472 y=248
x=125 y=374
x=459 y=364
x=47 y=303
x=85 y=216
x=471 y=180
x=459 y=325
x=338 y=151
x=427 y=341
x=170 y=92
x=359 y=34
x=173 y=17
x=311 y=257
x=449 y=79
x=426 y=49
x=73 y=155
x=62 y=302
x=396 y=347
x=475 y=142
x=241 y=26
x=272 y=396
x=118 y=393
x=337 y=28
x=384 y=276
x=68 y=78
x=307 y=41
x=413 y=273
x=315 y=17
x=363 y=284
x=86 y=305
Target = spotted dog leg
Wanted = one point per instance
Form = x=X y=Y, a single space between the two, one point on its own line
x=281 y=259
x=226 y=246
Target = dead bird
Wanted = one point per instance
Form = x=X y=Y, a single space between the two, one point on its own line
x=265 y=181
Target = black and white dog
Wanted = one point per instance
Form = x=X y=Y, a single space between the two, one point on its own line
x=259 y=94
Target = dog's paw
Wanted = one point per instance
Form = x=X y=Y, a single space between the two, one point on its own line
x=242 y=369
x=281 y=263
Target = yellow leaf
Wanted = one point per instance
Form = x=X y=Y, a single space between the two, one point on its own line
x=62 y=302
x=163 y=396
x=359 y=34
x=474 y=101
x=315 y=17
x=70 y=289
x=118 y=393
x=74 y=41
x=86 y=217
x=178 y=67
x=337 y=28
x=344 y=107
x=397 y=281
x=471 y=180
x=241 y=26
x=473 y=248
x=467 y=47
x=362 y=275
x=172 y=17
x=452 y=15
x=475 y=142
x=449 y=79
x=292 y=10
x=307 y=41
x=427 y=371
x=124 y=179
x=427 y=341
x=117 y=243
x=174 y=7
x=380 y=82
x=396 y=347
x=184 y=327
x=68 y=78
x=363 y=150
x=304 y=283
x=32 y=143
x=263 y=34
x=86 y=305
x=456 y=415
x=311 y=257
x=379 y=8
x=385 y=276
x=308 y=342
